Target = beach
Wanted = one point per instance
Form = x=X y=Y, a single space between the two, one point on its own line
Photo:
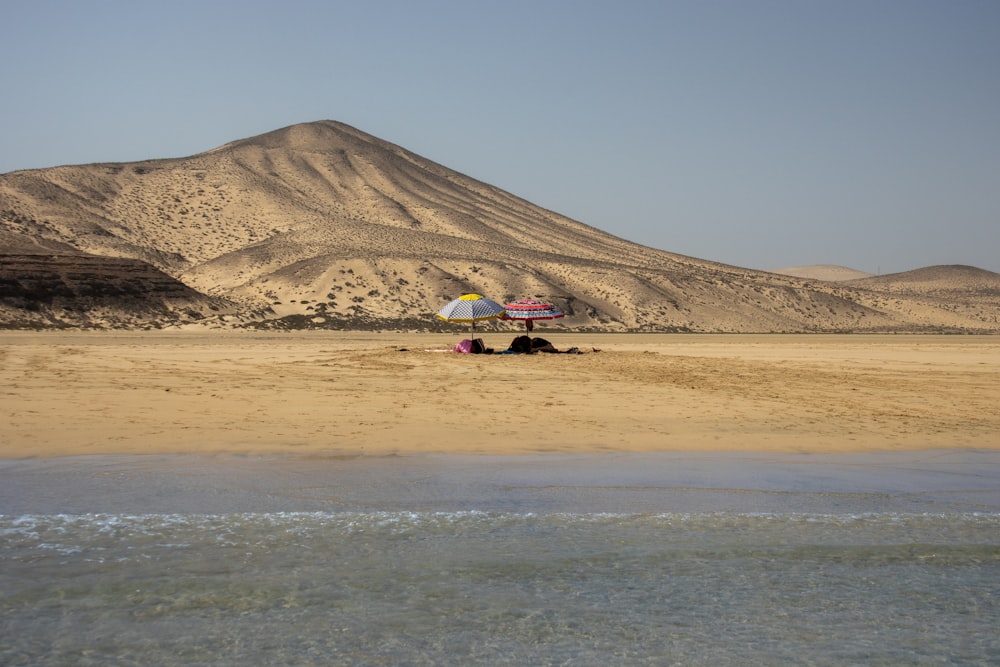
x=357 y=393
x=178 y=498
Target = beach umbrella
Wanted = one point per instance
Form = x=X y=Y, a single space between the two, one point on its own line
x=471 y=308
x=529 y=310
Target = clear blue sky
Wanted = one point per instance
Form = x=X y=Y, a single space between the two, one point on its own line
x=759 y=133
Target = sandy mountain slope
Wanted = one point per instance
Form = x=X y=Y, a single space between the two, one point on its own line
x=320 y=224
x=933 y=293
x=938 y=280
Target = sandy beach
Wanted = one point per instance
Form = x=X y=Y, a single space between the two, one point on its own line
x=356 y=393
x=374 y=501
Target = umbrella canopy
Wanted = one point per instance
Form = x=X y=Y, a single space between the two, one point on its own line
x=471 y=308
x=530 y=310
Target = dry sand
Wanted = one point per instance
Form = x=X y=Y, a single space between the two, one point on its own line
x=350 y=393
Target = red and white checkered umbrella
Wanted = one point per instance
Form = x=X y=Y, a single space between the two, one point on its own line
x=529 y=310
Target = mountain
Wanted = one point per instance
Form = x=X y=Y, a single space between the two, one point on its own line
x=322 y=225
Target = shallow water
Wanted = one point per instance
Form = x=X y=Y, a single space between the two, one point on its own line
x=590 y=561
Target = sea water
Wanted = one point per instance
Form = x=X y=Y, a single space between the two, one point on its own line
x=552 y=570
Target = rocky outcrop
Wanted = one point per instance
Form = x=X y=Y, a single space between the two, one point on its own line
x=85 y=290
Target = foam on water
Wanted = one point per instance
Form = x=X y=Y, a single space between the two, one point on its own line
x=499 y=588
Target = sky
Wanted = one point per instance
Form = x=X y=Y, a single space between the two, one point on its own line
x=759 y=133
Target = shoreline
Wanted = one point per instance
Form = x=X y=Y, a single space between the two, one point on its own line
x=932 y=481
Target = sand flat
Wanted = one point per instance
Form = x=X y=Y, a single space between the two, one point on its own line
x=350 y=393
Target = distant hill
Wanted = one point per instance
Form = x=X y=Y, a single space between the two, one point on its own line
x=944 y=280
x=828 y=272
x=322 y=225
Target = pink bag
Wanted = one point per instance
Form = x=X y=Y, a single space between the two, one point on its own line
x=465 y=347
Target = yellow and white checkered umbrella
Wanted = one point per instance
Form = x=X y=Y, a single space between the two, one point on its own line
x=471 y=308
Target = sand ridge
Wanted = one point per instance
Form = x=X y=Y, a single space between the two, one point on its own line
x=355 y=393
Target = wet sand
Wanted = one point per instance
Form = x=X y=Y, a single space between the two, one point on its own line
x=378 y=394
x=930 y=481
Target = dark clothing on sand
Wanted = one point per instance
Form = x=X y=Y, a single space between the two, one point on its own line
x=527 y=345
